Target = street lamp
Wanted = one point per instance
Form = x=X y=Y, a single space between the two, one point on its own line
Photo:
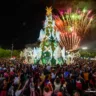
x=12 y=51
x=84 y=48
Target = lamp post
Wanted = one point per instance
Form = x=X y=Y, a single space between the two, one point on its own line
x=84 y=48
x=12 y=50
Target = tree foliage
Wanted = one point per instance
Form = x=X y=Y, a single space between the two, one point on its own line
x=4 y=53
x=88 y=53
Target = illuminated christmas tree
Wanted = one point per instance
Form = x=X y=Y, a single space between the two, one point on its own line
x=49 y=37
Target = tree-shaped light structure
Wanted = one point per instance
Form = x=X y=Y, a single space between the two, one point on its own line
x=49 y=38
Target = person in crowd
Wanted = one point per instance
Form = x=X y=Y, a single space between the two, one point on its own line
x=48 y=89
x=57 y=84
x=20 y=89
x=64 y=89
x=86 y=78
x=4 y=87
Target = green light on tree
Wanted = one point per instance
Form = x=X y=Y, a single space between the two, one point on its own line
x=84 y=10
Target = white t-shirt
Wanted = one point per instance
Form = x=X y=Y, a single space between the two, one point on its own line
x=11 y=69
x=57 y=86
x=16 y=80
x=18 y=92
x=53 y=75
x=48 y=68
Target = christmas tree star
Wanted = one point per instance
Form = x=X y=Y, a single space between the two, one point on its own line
x=48 y=11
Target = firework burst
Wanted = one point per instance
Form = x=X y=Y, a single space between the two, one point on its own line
x=78 y=22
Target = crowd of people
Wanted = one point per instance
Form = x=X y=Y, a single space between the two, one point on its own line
x=18 y=79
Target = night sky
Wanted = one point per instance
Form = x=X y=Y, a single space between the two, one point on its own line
x=20 y=23
x=22 y=26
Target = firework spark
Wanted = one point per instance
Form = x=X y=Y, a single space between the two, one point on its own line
x=70 y=41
